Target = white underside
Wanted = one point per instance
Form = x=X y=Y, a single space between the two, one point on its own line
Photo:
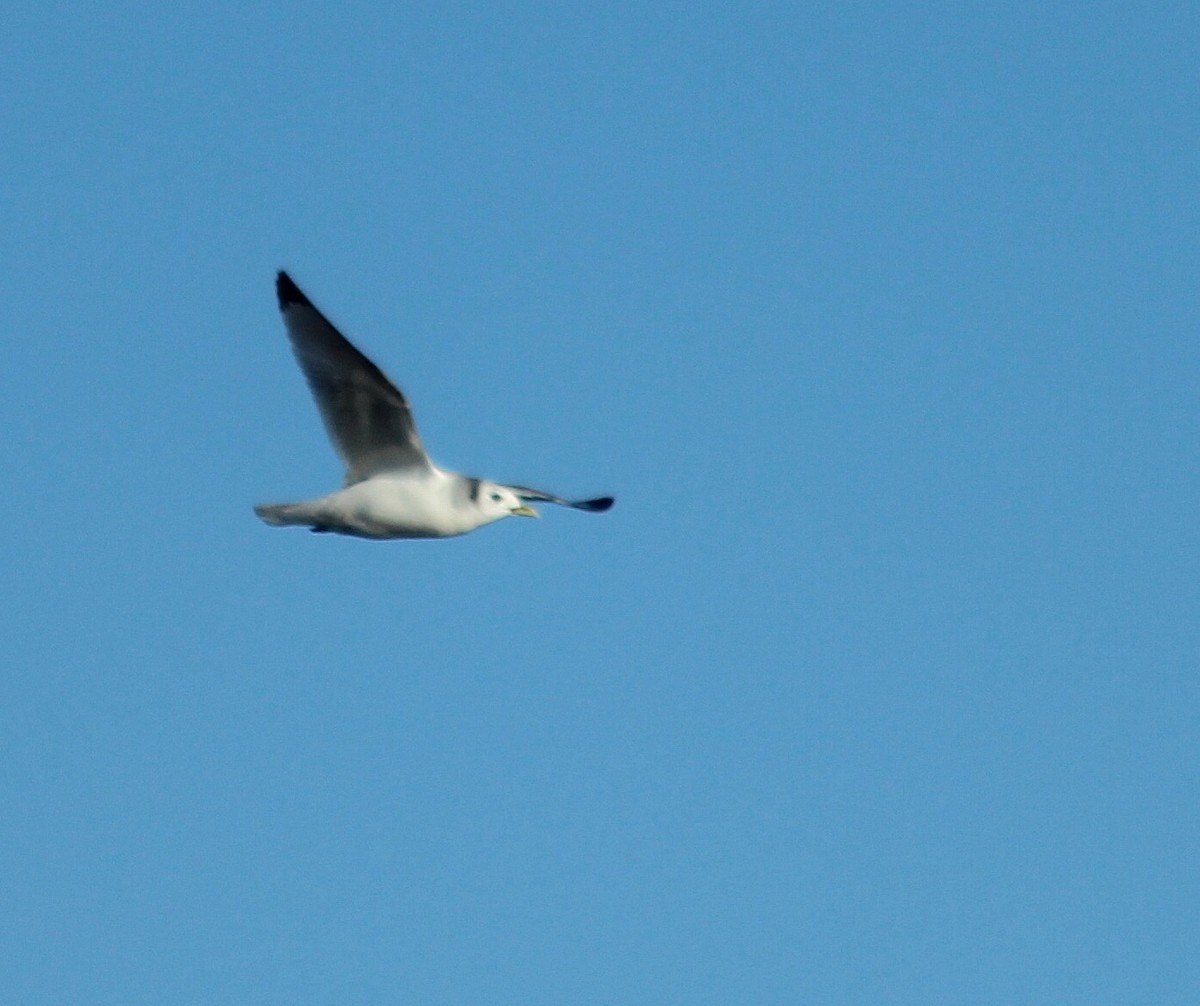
x=429 y=505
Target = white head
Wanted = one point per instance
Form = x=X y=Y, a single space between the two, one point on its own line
x=496 y=501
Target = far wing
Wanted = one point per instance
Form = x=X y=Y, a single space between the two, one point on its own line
x=367 y=417
x=598 y=505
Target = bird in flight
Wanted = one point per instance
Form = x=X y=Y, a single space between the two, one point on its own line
x=392 y=489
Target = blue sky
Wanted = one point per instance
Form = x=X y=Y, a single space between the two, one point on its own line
x=877 y=686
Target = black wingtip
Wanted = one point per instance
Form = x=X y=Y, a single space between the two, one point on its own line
x=596 y=505
x=288 y=292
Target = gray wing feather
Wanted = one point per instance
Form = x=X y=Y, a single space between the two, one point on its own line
x=367 y=417
x=598 y=505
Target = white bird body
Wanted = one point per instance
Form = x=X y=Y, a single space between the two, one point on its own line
x=428 y=506
x=393 y=489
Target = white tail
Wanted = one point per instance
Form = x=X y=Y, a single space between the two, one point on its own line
x=279 y=514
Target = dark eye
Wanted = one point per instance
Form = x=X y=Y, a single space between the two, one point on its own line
x=495 y=497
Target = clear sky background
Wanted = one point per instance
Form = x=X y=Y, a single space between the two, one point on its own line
x=878 y=685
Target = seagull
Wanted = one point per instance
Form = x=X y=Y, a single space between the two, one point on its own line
x=392 y=489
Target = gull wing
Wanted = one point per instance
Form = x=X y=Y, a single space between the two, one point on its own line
x=598 y=505
x=367 y=417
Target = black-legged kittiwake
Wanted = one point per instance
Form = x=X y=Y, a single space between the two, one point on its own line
x=392 y=488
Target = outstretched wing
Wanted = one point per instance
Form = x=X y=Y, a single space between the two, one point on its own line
x=598 y=505
x=367 y=417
